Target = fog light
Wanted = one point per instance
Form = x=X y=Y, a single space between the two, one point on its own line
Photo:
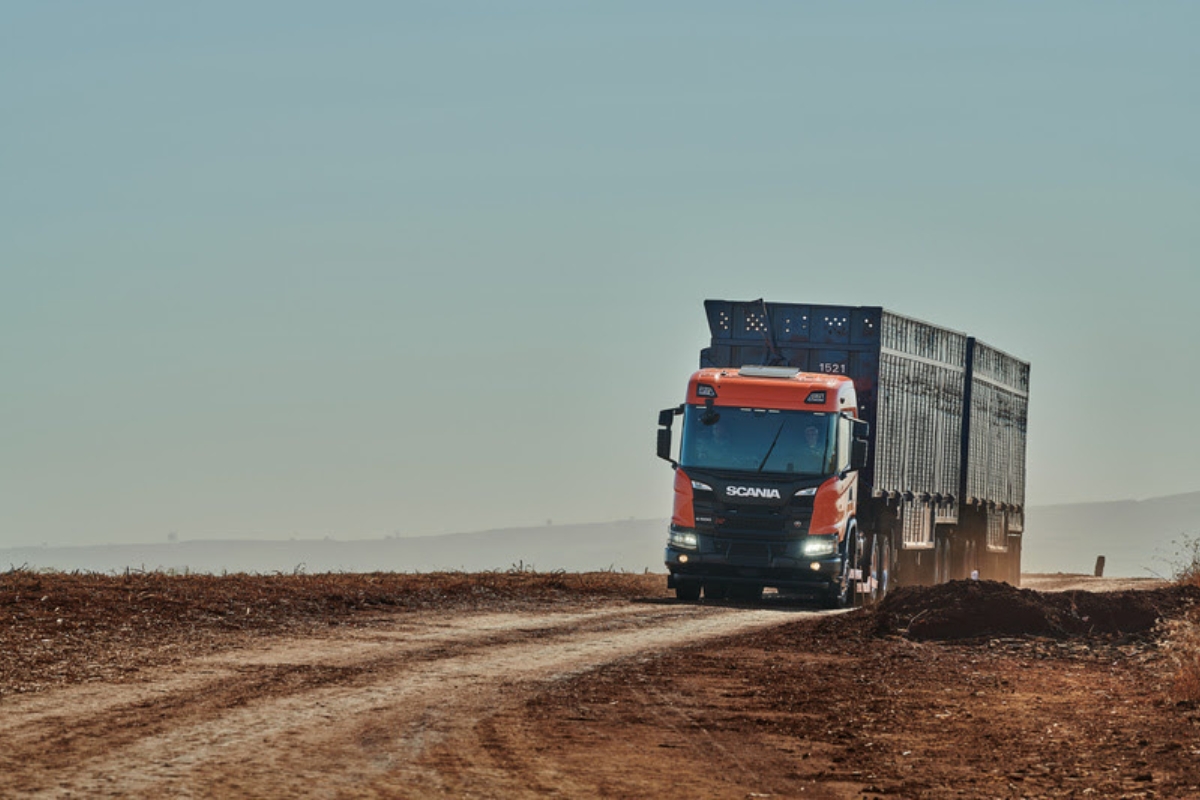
x=683 y=559
x=815 y=567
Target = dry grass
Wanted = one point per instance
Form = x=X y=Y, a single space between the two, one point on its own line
x=1186 y=686
x=1187 y=560
x=1180 y=645
x=1181 y=637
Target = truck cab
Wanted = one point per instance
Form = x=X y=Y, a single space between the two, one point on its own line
x=766 y=485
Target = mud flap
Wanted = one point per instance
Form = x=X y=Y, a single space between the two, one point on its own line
x=862 y=586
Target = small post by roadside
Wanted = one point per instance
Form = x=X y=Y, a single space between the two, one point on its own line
x=1099 y=566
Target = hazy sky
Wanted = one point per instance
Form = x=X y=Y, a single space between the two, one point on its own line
x=356 y=269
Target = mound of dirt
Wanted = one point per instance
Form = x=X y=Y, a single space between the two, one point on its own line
x=971 y=609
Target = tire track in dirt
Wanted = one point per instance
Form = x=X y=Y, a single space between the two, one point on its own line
x=390 y=707
x=84 y=722
x=340 y=648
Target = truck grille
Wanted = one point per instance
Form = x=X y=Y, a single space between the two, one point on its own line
x=749 y=551
x=755 y=520
x=756 y=524
x=760 y=520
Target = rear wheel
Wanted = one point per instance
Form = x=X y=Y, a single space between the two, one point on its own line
x=1014 y=560
x=883 y=570
x=941 y=558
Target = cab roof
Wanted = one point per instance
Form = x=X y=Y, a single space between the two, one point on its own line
x=773 y=387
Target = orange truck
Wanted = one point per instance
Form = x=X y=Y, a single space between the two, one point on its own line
x=836 y=451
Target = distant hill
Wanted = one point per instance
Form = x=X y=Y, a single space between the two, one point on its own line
x=1137 y=538
x=632 y=546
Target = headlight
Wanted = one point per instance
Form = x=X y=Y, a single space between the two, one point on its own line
x=683 y=539
x=809 y=492
x=820 y=546
x=701 y=487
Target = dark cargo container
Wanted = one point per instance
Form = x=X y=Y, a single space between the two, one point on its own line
x=947 y=417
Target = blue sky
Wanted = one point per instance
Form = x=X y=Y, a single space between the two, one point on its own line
x=297 y=269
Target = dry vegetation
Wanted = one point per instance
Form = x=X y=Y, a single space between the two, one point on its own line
x=1181 y=635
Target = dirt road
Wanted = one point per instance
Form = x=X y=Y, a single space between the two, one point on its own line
x=400 y=710
x=1066 y=582
x=582 y=686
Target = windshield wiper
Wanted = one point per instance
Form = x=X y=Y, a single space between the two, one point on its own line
x=772 y=447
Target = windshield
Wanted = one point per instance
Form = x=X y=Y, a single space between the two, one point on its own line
x=758 y=440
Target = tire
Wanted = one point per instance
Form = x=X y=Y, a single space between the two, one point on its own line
x=843 y=593
x=870 y=575
x=941 y=572
x=883 y=574
x=716 y=591
x=687 y=591
x=1014 y=561
x=957 y=548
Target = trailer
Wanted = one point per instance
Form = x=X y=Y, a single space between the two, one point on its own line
x=938 y=494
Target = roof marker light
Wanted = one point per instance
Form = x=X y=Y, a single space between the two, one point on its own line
x=768 y=372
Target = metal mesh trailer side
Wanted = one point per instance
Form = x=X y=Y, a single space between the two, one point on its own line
x=936 y=400
x=998 y=423
x=920 y=408
x=918 y=441
x=908 y=375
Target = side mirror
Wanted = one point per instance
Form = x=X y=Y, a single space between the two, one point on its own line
x=859 y=429
x=858 y=454
x=665 y=417
x=664 y=444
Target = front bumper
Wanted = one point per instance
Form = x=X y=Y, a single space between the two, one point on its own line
x=777 y=565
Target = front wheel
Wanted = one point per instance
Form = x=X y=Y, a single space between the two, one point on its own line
x=687 y=591
x=868 y=588
x=844 y=592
